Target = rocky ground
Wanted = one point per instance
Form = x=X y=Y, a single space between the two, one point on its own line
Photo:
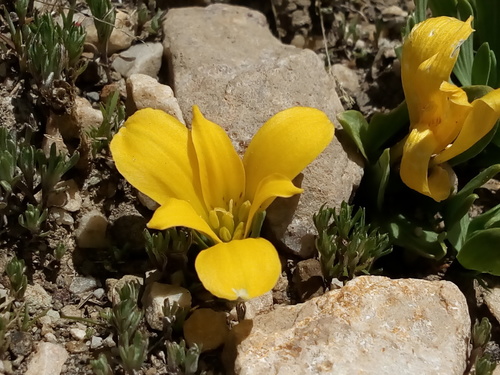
x=240 y=62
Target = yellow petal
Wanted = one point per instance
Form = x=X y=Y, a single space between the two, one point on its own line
x=240 y=269
x=221 y=170
x=270 y=187
x=480 y=120
x=151 y=152
x=415 y=172
x=453 y=108
x=286 y=144
x=428 y=56
x=179 y=213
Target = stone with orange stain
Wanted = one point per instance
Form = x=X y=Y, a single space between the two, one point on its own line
x=373 y=325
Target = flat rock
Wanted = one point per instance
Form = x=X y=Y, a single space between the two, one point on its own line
x=48 y=360
x=373 y=325
x=143 y=58
x=240 y=82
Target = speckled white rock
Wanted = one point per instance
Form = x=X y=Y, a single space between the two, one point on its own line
x=48 y=359
x=142 y=58
x=146 y=92
x=37 y=298
x=373 y=325
x=154 y=298
x=241 y=87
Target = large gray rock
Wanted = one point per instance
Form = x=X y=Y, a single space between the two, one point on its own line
x=225 y=60
x=373 y=325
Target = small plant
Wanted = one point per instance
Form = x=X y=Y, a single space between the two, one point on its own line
x=33 y=219
x=52 y=168
x=48 y=51
x=101 y=366
x=104 y=20
x=59 y=251
x=149 y=12
x=173 y=318
x=113 y=113
x=181 y=360
x=16 y=270
x=481 y=335
x=347 y=246
x=125 y=317
x=162 y=245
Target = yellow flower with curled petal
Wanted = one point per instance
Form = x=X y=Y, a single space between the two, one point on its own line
x=201 y=183
x=443 y=124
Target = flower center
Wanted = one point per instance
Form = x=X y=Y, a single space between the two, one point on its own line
x=229 y=223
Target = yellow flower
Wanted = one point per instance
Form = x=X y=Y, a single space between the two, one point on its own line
x=201 y=183
x=443 y=123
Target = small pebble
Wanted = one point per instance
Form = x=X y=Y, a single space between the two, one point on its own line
x=77 y=333
x=96 y=342
x=50 y=337
x=99 y=293
x=109 y=342
x=76 y=347
x=93 y=96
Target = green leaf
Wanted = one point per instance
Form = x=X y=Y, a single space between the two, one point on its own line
x=486 y=24
x=384 y=129
x=464 y=10
x=457 y=233
x=443 y=7
x=481 y=252
x=482 y=65
x=355 y=125
x=426 y=243
x=493 y=79
x=420 y=13
x=487 y=220
x=473 y=184
x=463 y=66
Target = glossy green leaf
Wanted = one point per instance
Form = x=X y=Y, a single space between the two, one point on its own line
x=426 y=243
x=382 y=131
x=487 y=220
x=457 y=233
x=356 y=126
x=493 y=79
x=481 y=66
x=481 y=252
x=473 y=184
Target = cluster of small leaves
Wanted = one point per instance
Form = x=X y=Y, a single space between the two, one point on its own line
x=113 y=113
x=16 y=270
x=481 y=335
x=180 y=360
x=104 y=15
x=171 y=243
x=173 y=318
x=149 y=15
x=125 y=317
x=24 y=172
x=49 y=51
x=347 y=246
